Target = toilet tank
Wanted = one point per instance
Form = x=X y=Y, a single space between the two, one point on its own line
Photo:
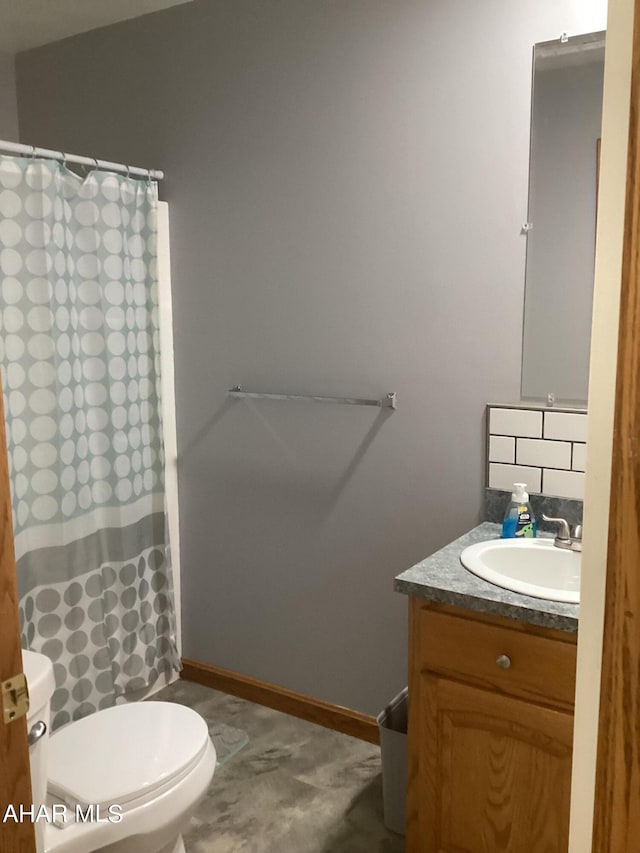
x=38 y=671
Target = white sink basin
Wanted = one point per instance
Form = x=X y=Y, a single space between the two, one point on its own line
x=531 y=566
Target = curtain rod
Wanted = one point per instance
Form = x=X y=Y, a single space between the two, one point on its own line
x=33 y=151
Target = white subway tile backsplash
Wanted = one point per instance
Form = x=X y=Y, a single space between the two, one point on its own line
x=567 y=426
x=546 y=449
x=502 y=448
x=504 y=476
x=579 y=462
x=564 y=484
x=546 y=454
x=521 y=422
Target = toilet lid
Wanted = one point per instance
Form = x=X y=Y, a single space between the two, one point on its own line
x=124 y=753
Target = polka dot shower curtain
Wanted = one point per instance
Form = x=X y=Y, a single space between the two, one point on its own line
x=79 y=351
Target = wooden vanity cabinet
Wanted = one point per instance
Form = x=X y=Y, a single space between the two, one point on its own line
x=490 y=733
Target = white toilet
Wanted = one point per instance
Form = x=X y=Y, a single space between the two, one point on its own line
x=151 y=760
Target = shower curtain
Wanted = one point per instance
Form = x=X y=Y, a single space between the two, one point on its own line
x=79 y=350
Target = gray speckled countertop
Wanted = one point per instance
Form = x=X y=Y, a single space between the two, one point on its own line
x=442 y=577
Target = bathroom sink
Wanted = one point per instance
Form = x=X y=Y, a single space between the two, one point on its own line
x=531 y=566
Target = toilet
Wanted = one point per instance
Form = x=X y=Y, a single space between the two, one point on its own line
x=124 y=780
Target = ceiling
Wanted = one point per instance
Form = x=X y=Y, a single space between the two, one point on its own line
x=31 y=23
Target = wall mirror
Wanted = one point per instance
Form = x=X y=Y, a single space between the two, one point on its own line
x=566 y=116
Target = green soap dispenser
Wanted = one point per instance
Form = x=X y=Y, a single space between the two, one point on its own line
x=519 y=521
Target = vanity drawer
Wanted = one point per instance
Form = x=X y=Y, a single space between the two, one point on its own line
x=520 y=663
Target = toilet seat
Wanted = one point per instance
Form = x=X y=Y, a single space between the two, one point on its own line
x=157 y=745
x=145 y=829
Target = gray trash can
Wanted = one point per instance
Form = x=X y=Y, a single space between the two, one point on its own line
x=392 y=722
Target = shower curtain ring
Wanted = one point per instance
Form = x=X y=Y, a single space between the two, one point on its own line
x=33 y=152
x=95 y=160
x=128 y=172
x=64 y=159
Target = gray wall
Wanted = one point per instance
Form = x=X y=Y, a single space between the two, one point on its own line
x=347 y=181
x=566 y=122
x=8 y=103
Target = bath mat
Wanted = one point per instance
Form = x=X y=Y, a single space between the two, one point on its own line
x=227 y=741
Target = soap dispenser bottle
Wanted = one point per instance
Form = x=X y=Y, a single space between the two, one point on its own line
x=519 y=521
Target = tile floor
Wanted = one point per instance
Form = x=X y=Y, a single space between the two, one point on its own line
x=295 y=787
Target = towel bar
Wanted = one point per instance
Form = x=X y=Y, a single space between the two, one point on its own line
x=387 y=402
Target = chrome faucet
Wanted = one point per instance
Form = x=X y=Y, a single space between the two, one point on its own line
x=564 y=537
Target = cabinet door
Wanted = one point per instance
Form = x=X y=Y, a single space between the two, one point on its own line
x=494 y=772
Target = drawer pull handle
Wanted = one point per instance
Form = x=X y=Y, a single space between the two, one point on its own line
x=503 y=661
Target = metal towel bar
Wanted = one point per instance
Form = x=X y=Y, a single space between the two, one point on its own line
x=389 y=401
